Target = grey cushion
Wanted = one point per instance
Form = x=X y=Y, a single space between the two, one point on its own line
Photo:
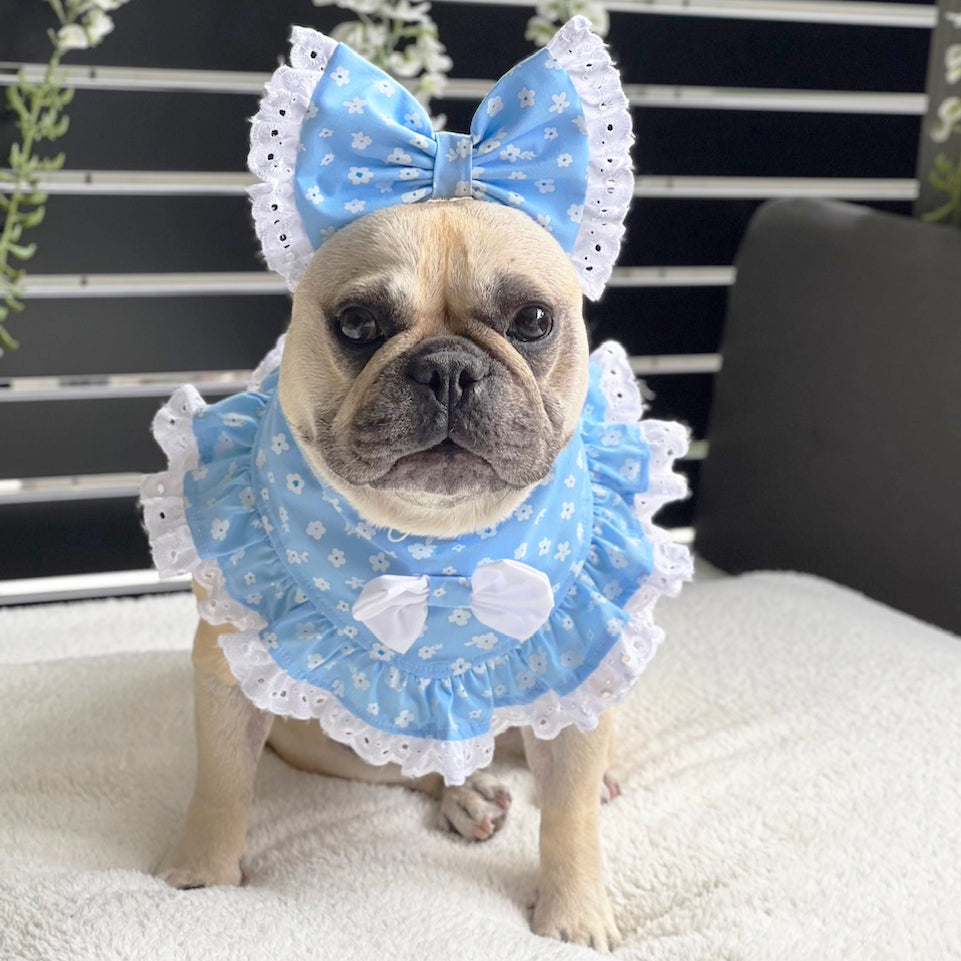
x=836 y=427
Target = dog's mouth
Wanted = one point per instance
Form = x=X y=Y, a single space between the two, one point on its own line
x=446 y=467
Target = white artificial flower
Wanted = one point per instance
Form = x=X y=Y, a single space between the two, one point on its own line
x=97 y=25
x=72 y=37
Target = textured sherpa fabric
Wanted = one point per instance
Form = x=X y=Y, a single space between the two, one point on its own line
x=792 y=791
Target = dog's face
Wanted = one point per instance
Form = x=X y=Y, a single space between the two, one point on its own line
x=436 y=363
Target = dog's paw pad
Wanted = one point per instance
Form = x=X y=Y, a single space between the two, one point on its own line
x=477 y=809
x=610 y=787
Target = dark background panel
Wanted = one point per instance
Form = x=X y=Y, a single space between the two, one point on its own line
x=72 y=537
x=49 y=438
x=486 y=41
x=144 y=334
x=683 y=397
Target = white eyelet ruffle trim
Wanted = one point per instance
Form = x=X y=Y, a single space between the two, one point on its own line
x=610 y=176
x=274 y=145
x=271 y=689
x=275 y=142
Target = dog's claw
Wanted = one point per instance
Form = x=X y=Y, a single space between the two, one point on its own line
x=476 y=809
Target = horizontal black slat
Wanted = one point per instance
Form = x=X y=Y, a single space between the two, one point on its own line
x=143 y=334
x=82 y=537
x=484 y=41
x=71 y=537
x=654 y=320
x=119 y=234
x=52 y=438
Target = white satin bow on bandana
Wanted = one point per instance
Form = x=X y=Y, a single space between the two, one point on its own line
x=336 y=138
x=506 y=595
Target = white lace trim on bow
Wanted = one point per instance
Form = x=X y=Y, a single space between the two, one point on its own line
x=270 y=688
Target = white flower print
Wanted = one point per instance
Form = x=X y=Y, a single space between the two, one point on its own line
x=611 y=437
x=544 y=547
x=306 y=630
x=630 y=469
x=618 y=558
x=373 y=708
x=340 y=76
x=538 y=662
x=199 y=473
x=514 y=198
x=337 y=557
x=460 y=615
x=327 y=160
x=545 y=186
x=521 y=552
x=297 y=557
x=232 y=420
x=462 y=189
x=218 y=529
x=255 y=598
x=355 y=206
x=476 y=713
x=316 y=530
x=510 y=152
x=461 y=149
x=526 y=96
x=563 y=551
x=361 y=681
x=278 y=443
x=613 y=627
x=247 y=498
x=270 y=476
x=517 y=175
x=337 y=687
x=460 y=665
x=565 y=160
x=412 y=196
x=380 y=652
x=421 y=551
x=295 y=483
x=355 y=105
x=449 y=570
x=552 y=63
x=284 y=519
x=559 y=102
x=250 y=577
x=414 y=120
x=395 y=679
x=314 y=661
x=261 y=457
x=343 y=607
x=326 y=132
x=550 y=133
x=484 y=642
x=567 y=510
x=379 y=562
x=612 y=590
x=237 y=557
x=526 y=680
x=360 y=175
x=321 y=584
x=404 y=718
x=494 y=106
x=264 y=494
x=271 y=640
x=581 y=123
x=386 y=88
x=355 y=583
x=575 y=212
x=360 y=140
x=398 y=156
x=545 y=221
x=419 y=141
x=300 y=597
x=408 y=173
x=365 y=530
x=312 y=111
x=524 y=512
x=571 y=658
x=500 y=690
x=426 y=652
x=570 y=480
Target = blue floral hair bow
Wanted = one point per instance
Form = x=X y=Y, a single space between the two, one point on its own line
x=336 y=138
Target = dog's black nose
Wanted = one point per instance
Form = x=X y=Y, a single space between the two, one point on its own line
x=448 y=372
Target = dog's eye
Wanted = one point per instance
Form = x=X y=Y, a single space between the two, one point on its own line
x=358 y=324
x=532 y=322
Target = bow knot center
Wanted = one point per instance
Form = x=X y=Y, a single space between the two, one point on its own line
x=452 y=165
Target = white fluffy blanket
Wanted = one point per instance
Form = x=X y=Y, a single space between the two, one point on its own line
x=791 y=765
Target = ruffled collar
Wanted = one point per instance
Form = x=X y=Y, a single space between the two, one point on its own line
x=284 y=559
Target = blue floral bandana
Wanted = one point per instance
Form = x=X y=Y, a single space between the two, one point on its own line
x=287 y=561
x=337 y=138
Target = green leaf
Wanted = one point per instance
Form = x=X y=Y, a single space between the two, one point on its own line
x=34 y=218
x=52 y=163
x=21 y=251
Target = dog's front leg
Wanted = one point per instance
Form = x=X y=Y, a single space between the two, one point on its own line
x=572 y=902
x=230 y=737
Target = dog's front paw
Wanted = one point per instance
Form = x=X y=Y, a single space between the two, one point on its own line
x=196 y=871
x=477 y=808
x=579 y=916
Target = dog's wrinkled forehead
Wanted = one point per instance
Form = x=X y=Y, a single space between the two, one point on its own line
x=439 y=263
